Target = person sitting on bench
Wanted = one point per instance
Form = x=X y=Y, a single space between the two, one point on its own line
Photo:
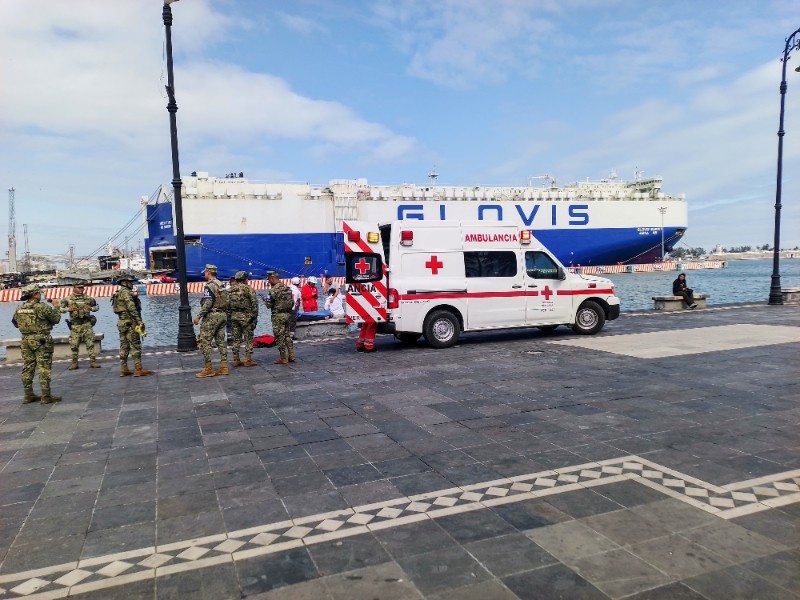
x=679 y=288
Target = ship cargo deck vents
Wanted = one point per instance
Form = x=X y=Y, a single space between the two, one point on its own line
x=509 y=466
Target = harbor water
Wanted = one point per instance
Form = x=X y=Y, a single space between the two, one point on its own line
x=739 y=281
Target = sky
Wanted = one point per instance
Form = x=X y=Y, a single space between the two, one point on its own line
x=491 y=92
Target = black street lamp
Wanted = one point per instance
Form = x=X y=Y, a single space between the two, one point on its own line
x=775 y=296
x=186 y=337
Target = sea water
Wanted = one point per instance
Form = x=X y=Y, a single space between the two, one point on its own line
x=739 y=281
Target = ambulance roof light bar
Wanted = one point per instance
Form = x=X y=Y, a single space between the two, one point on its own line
x=525 y=236
x=406 y=237
x=353 y=236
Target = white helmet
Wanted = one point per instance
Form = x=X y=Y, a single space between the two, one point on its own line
x=312 y=280
x=295 y=281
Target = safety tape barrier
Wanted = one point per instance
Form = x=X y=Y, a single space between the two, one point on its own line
x=150 y=289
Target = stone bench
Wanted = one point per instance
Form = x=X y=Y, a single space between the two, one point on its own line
x=61 y=349
x=672 y=303
x=323 y=328
x=790 y=295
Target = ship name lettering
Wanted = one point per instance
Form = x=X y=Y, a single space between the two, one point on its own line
x=577 y=214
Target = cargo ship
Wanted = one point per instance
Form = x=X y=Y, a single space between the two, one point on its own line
x=296 y=229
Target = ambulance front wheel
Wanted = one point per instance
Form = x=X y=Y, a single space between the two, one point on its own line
x=590 y=318
x=408 y=338
x=441 y=329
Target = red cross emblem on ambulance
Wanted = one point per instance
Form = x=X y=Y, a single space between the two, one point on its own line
x=434 y=264
x=547 y=292
x=362 y=266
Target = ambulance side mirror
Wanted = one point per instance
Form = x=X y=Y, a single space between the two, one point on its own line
x=561 y=273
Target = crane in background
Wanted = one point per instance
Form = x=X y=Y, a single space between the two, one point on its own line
x=12 y=233
x=27 y=249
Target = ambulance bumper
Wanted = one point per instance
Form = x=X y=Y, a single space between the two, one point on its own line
x=613 y=312
x=386 y=327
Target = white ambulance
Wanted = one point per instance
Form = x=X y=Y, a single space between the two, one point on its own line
x=437 y=279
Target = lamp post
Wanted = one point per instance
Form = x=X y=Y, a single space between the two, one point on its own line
x=775 y=296
x=186 y=336
x=663 y=211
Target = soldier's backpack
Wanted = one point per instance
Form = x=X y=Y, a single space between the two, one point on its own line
x=283 y=301
x=25 y=320
x=118 y=306
x=238 y=298
x=220 y=295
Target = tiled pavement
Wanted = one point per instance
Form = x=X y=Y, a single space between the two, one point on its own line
x=507 y=467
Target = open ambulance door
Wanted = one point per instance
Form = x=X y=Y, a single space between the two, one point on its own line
x=365 y=273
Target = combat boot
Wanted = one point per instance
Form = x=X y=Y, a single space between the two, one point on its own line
x=237 y=362
x=291 y=355
x=208 y=371
x=124 y=370
x=223 y=368
x=248 y=362
x=139 y=371
x=282 y=360
x=49 y=399
x=73 y=365
x=93 y=364
x=30 y=396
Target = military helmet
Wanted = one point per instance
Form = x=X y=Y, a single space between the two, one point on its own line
x=32 y=289
x=125 y=277
x=240 y=276
x=79 y=284
x=211 y=268
x=272 y=274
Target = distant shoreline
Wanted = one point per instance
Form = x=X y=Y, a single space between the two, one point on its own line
x=754 y=255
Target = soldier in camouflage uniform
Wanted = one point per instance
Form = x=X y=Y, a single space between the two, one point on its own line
x=214 y=314
x=35 y=320
x=280 y=302
x=80 y=308
x=130 y=326
x=244 y=314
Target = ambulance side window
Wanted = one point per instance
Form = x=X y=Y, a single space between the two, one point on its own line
x=490 y=264
x=363 y=267
x=540 y=266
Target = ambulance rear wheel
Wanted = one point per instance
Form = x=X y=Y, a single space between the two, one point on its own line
x=408 y=338
x=590 y=318
x=441 y=329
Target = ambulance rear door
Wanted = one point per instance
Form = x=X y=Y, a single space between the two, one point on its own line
x=365 y=273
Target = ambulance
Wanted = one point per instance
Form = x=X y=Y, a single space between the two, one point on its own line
x=439 y=279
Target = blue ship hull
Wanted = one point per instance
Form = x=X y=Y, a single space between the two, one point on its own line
x=305 y=254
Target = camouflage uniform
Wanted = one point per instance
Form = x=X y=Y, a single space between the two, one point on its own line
x=81 y=325
x=129 y=312
x=213 y=313
x=280 y=302
x=35 y=320
x=244 y=314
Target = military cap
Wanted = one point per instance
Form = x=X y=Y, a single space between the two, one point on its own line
x=240 y=276
x=31 y=289
x=272 y=274
x=211 y=268
x=125 y=277
x=79 y=284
